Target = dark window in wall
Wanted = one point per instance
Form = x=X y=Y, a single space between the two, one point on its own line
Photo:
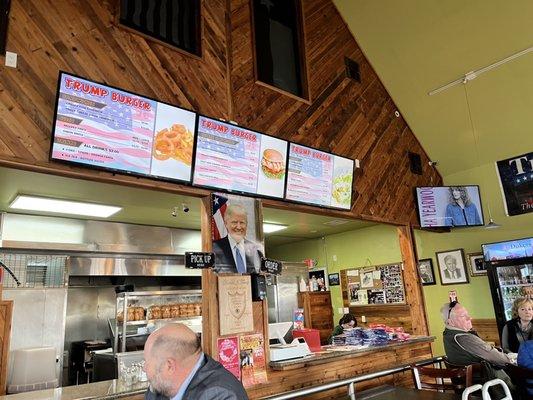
x=175 y=22
x=4 y=18
x=279 y=56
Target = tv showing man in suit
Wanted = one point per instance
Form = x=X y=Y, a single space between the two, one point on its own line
x=234 y=252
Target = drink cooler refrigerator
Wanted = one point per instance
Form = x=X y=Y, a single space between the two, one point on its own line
x=510 y=272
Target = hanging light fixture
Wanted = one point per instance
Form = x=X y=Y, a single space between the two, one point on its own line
x=467 y=78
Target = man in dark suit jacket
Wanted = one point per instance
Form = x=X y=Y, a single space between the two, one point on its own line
x=235 y=253
x=177 y=369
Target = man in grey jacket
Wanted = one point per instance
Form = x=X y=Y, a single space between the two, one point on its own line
x=464 y=347
x=177 y=369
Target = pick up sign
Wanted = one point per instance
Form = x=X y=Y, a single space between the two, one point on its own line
x=199 y=260
x=271 y=266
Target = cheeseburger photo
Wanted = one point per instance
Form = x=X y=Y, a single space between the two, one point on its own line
x=273 y=164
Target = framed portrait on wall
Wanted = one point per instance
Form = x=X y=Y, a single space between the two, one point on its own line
x=334 y=279
x=425 y=271
x=317 y=280
x=452 y=267
x=475 y=262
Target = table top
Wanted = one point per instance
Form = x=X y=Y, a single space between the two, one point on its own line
x=394 y=393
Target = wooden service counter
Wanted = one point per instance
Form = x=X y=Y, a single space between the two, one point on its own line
x=332 y=366
x=284 y=376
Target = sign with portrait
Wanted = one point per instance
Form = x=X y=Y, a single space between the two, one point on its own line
x=425 y=271
x=237 y=233
x=452 y=267
x=235 y=304
x=516 y=181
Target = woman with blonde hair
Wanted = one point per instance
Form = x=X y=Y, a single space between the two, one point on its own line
x=461 y=211
x=519 y=329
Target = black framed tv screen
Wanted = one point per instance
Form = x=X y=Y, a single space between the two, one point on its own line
x=449 y=206
x=235 y=159
x=319 y=178
x=105 y=127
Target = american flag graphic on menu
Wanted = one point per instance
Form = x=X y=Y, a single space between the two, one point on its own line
x=105 y=127
x=218 y=228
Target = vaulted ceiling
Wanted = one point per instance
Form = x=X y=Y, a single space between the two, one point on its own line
x=416 y=46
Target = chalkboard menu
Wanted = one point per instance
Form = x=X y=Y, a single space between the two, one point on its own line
x=379 y=284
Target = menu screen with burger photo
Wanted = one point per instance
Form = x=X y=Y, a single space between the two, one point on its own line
x=233 y=158
x=320 y=178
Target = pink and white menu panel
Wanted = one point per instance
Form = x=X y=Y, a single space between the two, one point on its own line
x=113 y=129
x=233 y=158
x=316 y=177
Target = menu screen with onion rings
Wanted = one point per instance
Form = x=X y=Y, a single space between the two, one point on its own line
x=236 y=159
x=319 y=178
x=113 y=129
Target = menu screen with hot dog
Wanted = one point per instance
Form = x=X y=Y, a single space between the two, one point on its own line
x=113 y=129
x=316 y=177
x=233 y=158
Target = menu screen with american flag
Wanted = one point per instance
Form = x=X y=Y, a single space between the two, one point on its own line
x=319 y=178
x=110 y=128
x=230 y=157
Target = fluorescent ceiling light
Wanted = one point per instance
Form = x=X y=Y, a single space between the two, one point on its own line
x=58 y=206
x=269 y=228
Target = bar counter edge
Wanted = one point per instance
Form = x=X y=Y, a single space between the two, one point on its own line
x=282 y=376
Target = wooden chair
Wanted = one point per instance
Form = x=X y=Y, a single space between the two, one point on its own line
x=522 y=379
x=442 y=379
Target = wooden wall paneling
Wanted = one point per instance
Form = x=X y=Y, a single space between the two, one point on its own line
x=346 y=117
x=391 y=315
x=487 y=330
x=210 y=325
x=413 y=288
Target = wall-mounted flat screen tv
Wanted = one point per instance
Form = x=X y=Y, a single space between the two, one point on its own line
x=235 y=159
x=319 y=178
x=509 y=250
x=109 y=128
x=449 y=206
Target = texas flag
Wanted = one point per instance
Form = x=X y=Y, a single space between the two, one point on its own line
x=219 y=205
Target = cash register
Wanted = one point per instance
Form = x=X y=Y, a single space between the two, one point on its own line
x=280 y=350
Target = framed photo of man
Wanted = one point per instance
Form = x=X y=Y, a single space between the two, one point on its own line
x=425 y=271
x=475 y=262
x=236 y=233
x=452 y=267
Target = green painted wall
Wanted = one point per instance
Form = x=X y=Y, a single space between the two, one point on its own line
x=475 y=295
x=368 y=246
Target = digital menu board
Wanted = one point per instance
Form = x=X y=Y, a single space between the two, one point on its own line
x=236 y=159
x=319 y=178
x=109 y=128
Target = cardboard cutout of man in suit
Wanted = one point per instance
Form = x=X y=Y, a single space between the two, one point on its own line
x=177 y=368
x=235 y=253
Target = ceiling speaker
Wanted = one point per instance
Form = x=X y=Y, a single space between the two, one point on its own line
x=352 y=69
x=415 y=163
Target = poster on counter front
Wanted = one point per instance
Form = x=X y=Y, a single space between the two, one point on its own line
x=516 y=182
x=253 y=361
x=229 y=355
